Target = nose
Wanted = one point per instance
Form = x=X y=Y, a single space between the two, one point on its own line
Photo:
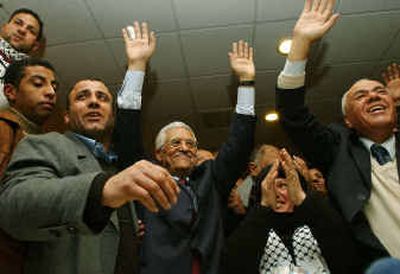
x=50 y=92
x=93 y=101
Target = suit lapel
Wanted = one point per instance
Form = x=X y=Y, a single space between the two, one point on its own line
x=362 y=159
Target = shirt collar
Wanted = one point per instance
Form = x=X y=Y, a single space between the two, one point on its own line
x=97 y=149
x=389 y=144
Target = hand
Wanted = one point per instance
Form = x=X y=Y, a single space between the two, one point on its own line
x=140 y=48
x=268 y=195
x=296 y=193
x=301 y=167
x=315 y=20
x=391 y=76
x=145 y=182
x=241 y=60
x=235 y=201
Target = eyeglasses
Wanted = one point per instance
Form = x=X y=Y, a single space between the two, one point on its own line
x=176 y=143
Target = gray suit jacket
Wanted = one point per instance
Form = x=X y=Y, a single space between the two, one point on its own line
x=43 y=201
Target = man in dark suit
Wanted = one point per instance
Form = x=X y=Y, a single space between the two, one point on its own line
x=188 y=238
x=63 y=195
x=360 y=158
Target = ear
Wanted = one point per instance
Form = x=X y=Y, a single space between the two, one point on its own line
x=10 y=91
x=35 y=50
x=252 y=168
x=158 y=154
x=347 y=122
x=66 y=117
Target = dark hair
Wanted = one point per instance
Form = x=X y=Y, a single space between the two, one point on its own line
x=16 y=70
x=113 y=95
x=34 y=15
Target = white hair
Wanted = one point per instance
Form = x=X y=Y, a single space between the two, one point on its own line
x=344 y=102
x=162 y=134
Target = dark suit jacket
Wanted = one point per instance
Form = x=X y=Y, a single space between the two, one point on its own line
x=171 y=237
x=338 y=152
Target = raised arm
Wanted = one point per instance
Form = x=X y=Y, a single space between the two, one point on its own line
x=391 y=76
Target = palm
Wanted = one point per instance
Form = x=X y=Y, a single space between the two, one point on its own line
x=310 y=25
x=139 y=49
x=242 y=66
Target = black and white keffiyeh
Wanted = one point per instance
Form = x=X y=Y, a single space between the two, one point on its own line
x=8 y=54
x=307 y=255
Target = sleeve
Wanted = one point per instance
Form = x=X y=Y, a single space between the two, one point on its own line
x=245 y=100
x=234 y=154
x=130 y=94
x=316 y=141
x=6 y=145
x=44 y=192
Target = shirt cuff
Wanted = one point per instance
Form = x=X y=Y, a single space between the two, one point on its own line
x=245 y=100
x=130 y=94
x=293 y=75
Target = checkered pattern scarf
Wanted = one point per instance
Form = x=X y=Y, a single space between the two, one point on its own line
x=9 y=53
x=307 y=253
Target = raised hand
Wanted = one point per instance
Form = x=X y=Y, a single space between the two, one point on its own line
x=296 y=193
x=268 y=194
x=139 y=48
x=301 y=167
x=391 y=76
x=241 y=60
x=315 y=20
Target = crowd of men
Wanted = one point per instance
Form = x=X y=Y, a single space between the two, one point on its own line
x=89 y=200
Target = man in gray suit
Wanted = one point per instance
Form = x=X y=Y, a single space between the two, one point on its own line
x=63 y=196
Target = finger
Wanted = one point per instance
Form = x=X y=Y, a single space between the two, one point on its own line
x=136 y=27
x=145 y=199
x=246 y=50
x=155 y=191
x=163 y=180
x=152 y=42
x=240 y=48
x=125 y=36
x=251 y=54
x=323 y=5
x=385 y=78
x=330 y=22
x=145 y=31
x=307 y=6
x=315 y=5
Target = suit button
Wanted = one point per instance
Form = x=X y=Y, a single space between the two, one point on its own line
x=72 y=229
x=361 y=197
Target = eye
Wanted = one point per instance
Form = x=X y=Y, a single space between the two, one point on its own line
x=103 y=97
x=175 y=143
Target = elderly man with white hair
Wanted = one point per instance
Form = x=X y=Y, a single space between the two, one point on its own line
x=188 y=238
x=360 y=158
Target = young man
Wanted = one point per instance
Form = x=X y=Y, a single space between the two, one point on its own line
x=20 y=38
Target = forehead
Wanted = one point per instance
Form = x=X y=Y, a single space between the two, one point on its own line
x=27 y=18
x=37 y=70
x=179 y=133
x=364 y=84
x=89 y=85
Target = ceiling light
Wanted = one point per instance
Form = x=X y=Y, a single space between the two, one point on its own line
x=271 y=116
x=284 y=46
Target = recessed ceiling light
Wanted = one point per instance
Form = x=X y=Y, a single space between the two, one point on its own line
x=284 y=46
x=271 y=116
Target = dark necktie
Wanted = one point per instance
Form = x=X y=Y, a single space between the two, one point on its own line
x=380 y=154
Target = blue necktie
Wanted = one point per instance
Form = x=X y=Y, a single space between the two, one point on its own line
x=380 y=154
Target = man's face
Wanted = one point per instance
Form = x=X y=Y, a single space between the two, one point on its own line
x=178 y=154
x=283 y=203
x=90 y=110
x=369 y=108
x=35 y=96
x=21 y=32
x=317 y=180
x=269 y=155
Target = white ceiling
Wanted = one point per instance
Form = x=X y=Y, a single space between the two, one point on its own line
x=190 y=76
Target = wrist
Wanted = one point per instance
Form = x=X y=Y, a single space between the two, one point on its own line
x=299 y=48
x=247 y=83
x=137 y=65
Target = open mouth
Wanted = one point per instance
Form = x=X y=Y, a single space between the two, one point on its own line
x=376 y=109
